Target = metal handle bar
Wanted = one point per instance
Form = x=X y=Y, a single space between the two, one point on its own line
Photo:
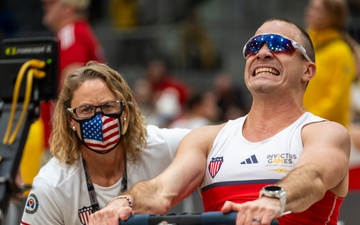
x=206 y=218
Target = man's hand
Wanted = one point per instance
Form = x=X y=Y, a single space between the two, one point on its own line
x=110 y=215
x=261 y=211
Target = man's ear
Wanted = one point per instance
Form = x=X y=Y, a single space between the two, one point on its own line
x=309 y=72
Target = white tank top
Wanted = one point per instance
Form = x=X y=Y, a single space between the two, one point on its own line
x=237 y=165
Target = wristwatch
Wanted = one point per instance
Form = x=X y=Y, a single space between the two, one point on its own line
x=275 y=192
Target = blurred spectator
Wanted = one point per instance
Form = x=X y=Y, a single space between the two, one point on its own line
x=328 y=94
x=167 y=106
x=196 y=48
x=201 y=109
x=231 y=98
x=170 y=93
x=161 y=78
x=144 y=96
x=68 y=19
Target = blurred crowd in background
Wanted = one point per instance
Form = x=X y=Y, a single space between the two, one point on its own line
x=194 y=65
x=183 y=59
x=196 y=41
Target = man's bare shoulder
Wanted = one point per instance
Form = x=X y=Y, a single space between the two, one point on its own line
x=325 y=126
x=326 y=131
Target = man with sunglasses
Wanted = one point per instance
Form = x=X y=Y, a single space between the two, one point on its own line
x=278 y=161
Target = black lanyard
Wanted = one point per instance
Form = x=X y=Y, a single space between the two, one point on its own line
x=91 y=190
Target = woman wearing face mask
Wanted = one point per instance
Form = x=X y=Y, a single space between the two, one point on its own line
x=100 y=146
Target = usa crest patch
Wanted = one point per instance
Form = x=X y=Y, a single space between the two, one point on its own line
x=215 y=165
x=84 y=214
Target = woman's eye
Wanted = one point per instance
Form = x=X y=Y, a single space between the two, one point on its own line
x=85 y=109
x=108 y=106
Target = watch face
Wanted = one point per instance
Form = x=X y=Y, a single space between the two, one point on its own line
x=272 y=188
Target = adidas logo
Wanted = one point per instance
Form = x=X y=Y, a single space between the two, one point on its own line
x=251 y=160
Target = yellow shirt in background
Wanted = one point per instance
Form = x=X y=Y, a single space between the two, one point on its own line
x=328 y=93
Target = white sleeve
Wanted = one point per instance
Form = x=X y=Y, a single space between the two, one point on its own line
x=168 y=138
x=42 y=205
x=161 y=148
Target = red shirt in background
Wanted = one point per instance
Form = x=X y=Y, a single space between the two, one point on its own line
x=78 y=44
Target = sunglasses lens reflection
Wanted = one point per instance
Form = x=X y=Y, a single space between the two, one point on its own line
x=275 y=43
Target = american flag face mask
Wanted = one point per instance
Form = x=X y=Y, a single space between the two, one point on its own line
x=101 y=133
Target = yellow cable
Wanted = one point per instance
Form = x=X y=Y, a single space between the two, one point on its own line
x=14 y=100
x=31 y=73
x=34 y=63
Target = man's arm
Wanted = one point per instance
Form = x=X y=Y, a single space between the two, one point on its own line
x=322 y=166
x=178 y=181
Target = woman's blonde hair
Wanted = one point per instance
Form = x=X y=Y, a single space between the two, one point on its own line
x=64 y=143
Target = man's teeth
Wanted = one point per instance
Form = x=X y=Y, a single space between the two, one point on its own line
x=266 y=70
